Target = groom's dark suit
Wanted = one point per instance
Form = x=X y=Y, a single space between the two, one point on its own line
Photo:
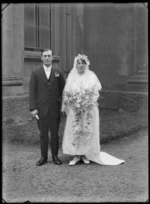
x=45 y=95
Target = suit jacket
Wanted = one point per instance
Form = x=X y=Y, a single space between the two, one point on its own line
x=44 y=96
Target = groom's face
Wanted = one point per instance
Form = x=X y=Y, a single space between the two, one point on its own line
x=47 y=58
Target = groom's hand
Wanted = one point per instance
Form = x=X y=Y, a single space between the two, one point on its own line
x=34 y=113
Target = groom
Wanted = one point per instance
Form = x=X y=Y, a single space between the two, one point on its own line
x=45 y=93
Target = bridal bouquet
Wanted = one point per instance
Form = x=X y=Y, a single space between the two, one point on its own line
x=81 y=103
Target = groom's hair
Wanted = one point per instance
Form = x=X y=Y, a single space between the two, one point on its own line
x=45 y=50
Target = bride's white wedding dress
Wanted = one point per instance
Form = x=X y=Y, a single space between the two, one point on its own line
x=88 y=144
x=89 y=148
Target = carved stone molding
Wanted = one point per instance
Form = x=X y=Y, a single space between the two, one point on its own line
x=37 y=55
x=138 y=83
x=12 y=81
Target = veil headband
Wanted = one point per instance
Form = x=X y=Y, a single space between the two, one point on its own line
x=83 y=57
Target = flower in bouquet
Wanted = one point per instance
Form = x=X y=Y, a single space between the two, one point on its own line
x=79 y=101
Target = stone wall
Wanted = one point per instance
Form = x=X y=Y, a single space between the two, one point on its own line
x=116 y=42
x=126 y=101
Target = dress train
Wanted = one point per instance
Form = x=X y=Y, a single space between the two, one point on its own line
x=104 y=158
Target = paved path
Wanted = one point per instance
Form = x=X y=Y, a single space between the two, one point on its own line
x=23 y=181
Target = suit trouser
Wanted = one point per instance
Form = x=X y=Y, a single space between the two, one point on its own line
x=45 y=124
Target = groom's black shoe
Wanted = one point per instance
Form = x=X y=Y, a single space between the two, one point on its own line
x=56 y=160
x=41 y=162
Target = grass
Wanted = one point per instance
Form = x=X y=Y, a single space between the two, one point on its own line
x=118 y=124
x=114 y=124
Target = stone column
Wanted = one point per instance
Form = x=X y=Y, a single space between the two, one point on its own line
x=138 y=81
x=12 y=49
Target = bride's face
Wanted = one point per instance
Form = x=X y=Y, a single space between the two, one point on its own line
x=81 y=66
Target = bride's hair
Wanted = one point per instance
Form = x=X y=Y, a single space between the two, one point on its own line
x=82 y=57
x=82 y=60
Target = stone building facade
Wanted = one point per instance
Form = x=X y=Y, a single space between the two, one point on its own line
x=114 y=37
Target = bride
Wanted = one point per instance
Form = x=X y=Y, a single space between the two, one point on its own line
x=81 y=135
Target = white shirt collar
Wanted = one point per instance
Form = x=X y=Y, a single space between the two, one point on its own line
x=47 y=68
